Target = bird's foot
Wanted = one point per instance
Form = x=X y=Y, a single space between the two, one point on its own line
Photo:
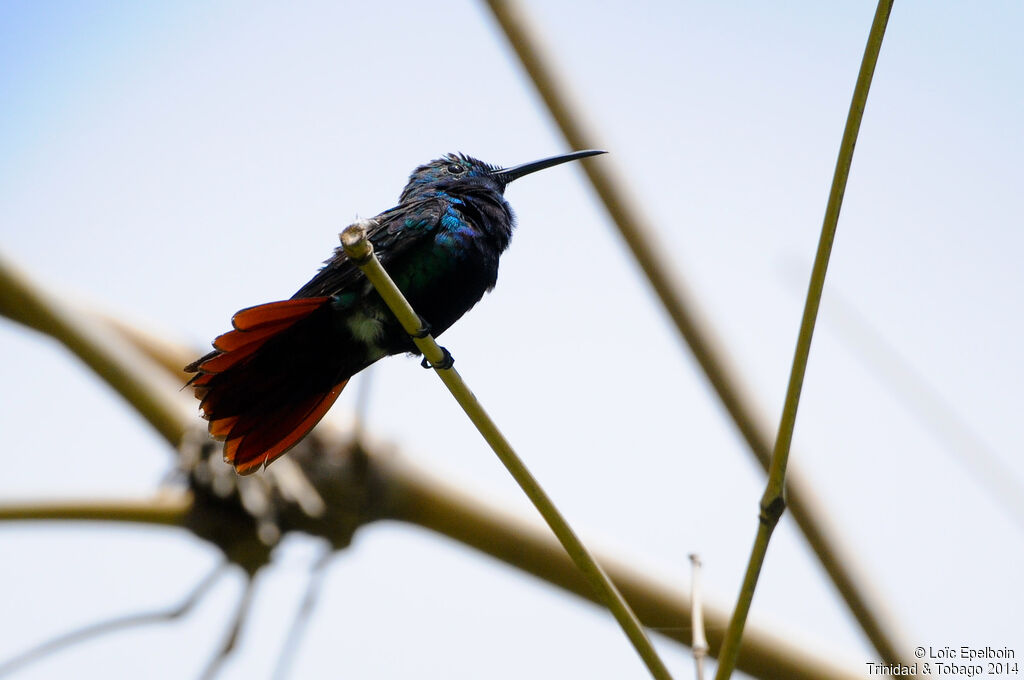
x=445 y=363
x=424 y=330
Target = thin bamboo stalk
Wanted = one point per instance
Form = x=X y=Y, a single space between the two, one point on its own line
x=630 y=217
x=360 y=250
x=773 y=502
x=426 y=499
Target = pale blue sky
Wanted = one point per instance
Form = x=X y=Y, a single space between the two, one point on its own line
x=178 y=162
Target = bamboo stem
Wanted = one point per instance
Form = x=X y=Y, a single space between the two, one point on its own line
x=773 y=502
x=428 y=500
x=628 y=213
x=360 y=250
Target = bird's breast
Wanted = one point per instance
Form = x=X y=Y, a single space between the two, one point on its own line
x=448 y=273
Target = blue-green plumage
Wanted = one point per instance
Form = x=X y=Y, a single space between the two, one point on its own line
x=269 y=381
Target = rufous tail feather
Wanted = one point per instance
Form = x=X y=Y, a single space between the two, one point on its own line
x=269 y=381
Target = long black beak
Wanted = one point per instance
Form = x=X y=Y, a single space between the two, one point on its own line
x=507 y=175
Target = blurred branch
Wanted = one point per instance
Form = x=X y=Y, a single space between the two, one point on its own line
x=700 y=643
x=925 y=401
x=237 y=621
x=627 y=212
x=302 y=616
x=171 y=356
x=773 y=502
x=168 y=509
x=113 y=625
x=368 y=481
x=419 y=498
x=150 y=392
x=423 y=499
x=359 y=249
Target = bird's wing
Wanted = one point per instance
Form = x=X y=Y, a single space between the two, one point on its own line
x=397 y=231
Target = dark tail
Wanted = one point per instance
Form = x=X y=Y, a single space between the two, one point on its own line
x=269 y=381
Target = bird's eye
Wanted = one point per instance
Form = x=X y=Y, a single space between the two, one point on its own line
x=456 y=169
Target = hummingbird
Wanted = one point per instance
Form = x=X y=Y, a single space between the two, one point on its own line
x=270 y=379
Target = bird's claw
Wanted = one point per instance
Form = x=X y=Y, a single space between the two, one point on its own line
x=445 y=363
x=424 y=330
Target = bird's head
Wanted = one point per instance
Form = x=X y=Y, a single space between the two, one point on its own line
x=459 y=174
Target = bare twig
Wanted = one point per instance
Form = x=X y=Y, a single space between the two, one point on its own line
x=302 y=616
x=362 y=403
x=773 y=502
x=358 y=247
x=237 y=621
x=629 y=215
x=113 y=625
x=700 y=643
